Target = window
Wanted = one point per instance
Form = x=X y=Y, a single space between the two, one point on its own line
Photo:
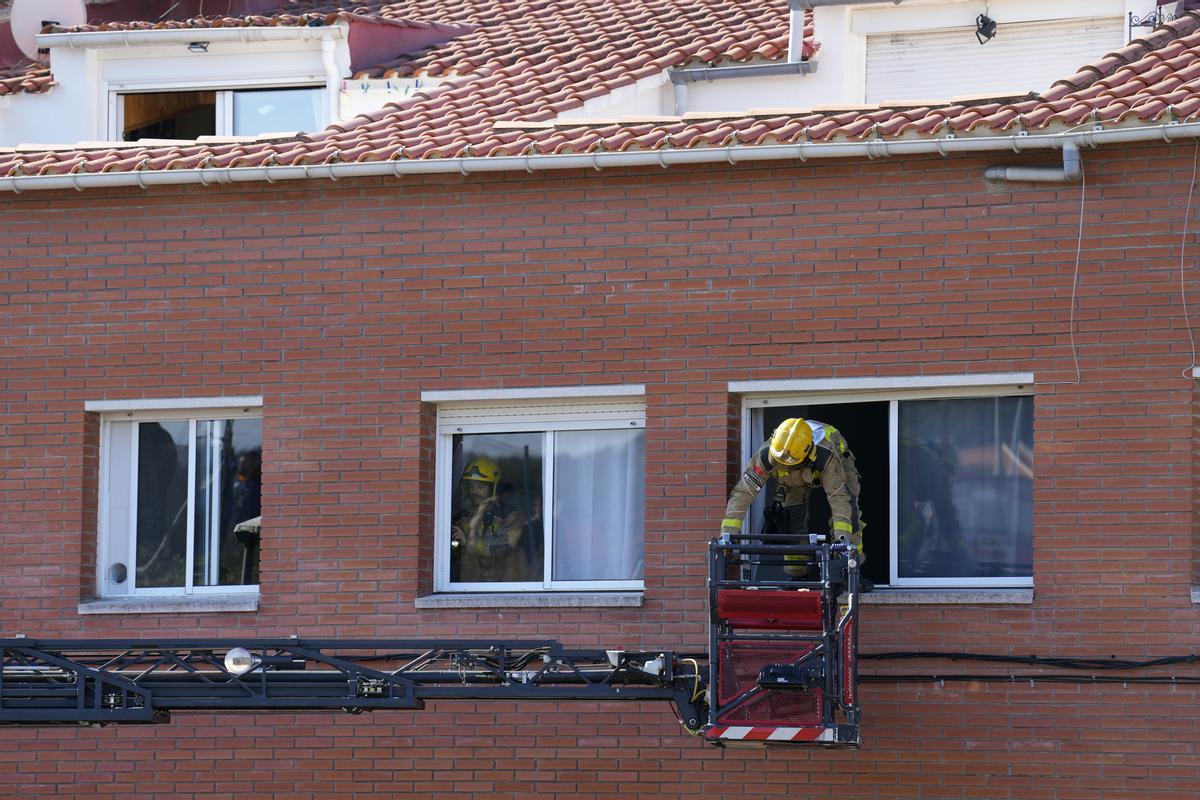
x=180 y=501
x=541 y=494
x=242 y=112
x=946 y=476
x=273 y=110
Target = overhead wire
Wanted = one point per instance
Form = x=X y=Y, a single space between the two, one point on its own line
x=1185 y=680
x=1094 y=665
x=1078 y=255
x=1062 y=662
x=1187 y=218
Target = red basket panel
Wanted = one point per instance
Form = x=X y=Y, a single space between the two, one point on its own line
x=752 y=608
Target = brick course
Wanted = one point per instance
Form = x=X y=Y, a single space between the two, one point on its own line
x=341 y=302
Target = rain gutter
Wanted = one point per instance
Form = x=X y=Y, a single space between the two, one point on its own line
x=679 y=76
x=811 y=4
x=81 y=39
x=737 y=154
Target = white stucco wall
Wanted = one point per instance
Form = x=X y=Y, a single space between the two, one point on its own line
x=368 y=96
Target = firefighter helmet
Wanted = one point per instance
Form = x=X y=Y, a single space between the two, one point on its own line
x=482 y=469
x=791 y=443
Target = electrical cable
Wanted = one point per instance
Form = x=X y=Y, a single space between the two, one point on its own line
x=1062 y=662
x=1187 y=218
x=1078 y=254
x=1186 y=680
x=697 y=691
x=1110 y=664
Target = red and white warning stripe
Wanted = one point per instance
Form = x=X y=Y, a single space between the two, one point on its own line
x=771 y=734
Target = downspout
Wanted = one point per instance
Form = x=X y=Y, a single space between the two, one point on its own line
x=1070 y=172
x=795 y=30
x=333 y=79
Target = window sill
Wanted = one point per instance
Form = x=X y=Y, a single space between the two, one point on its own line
x=885 y=596
x=532 y=600
x=192 y=604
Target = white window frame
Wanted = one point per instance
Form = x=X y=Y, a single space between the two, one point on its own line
x=548 y=411
x=223 y=125
x=157 y=411
x=757 y=395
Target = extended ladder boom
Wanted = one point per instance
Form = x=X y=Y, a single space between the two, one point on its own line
x=105 y=681
x=781 y=666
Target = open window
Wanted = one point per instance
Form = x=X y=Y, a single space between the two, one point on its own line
x=946 y=475
x=234 y=112
x=181 y=501
x=540 y=494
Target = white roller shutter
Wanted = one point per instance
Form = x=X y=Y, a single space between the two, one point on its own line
x=541 y=414
x=1023 y=56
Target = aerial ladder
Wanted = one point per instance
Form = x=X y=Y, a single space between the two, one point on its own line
x=780 y=667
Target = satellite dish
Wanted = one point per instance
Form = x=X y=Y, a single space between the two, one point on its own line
x=28 y=17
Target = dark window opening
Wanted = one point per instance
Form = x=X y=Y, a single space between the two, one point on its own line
x=169 y=115
x=865 y=426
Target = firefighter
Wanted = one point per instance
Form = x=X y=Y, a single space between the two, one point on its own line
x=486 y=531
x=801 y=455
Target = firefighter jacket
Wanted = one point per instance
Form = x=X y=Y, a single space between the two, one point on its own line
x=831 y=466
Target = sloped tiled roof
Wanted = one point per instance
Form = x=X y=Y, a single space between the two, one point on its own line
x=527 y=61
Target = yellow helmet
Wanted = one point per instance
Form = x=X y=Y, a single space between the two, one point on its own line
x=482 y=469
x=791 y=443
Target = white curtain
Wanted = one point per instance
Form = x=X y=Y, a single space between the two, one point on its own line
x=599 y=505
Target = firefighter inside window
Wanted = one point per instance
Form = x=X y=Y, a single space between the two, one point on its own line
x=488 y=529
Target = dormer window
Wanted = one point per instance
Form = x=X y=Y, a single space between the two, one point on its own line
x=237 y=112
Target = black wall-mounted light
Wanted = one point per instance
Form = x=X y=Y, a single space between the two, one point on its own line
x=198 y=47
x=985 y=28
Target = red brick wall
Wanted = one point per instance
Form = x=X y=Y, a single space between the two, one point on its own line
x=341 y=302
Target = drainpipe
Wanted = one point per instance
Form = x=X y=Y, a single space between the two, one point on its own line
x=1070 y=172
x=680 y=97
x=333 y=79
x=795 y=30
